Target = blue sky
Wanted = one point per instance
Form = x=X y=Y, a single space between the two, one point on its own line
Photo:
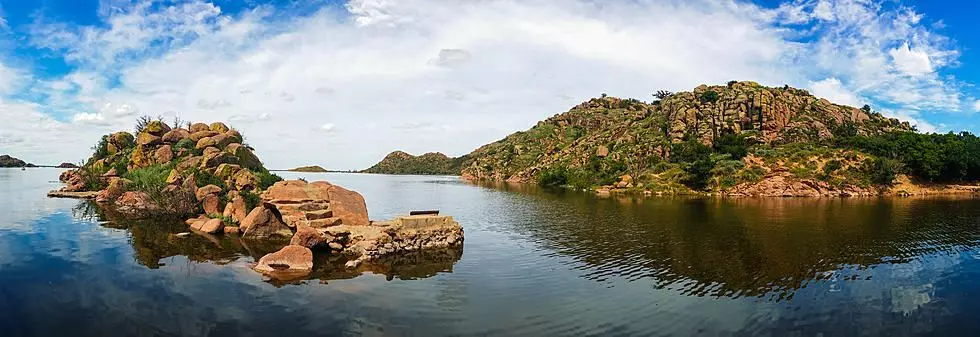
x=342 y=83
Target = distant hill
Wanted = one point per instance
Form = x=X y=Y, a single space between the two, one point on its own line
x=67 y=165
x=8 y=161
x=312 y=169
x=433 y=163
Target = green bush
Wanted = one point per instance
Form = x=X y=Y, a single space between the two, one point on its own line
x=695 y=159
x=553 y=177
x=882 y=171
x=709 y=96
x=185 y=143
x=203 y=178
x=267 y=179
x=252 y=200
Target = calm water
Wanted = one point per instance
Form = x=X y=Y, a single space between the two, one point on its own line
x=534 y=263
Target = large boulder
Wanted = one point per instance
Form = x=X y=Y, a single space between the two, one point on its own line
x=146 y=139
x=218 y=127
x=264 y=222
x=317 y=204
x=226 y=171
x=245 y=180
x=157 y=128
x=141 y=157
x=197 y=136
x=115 y=189
x=176 y=135
x=246 y=158
x=212 y=160
x=234 y=136
x=198 y=127
x=290 y=262
x=163 y=154
x=210 y=226
x=119 y=141
x=205 y=142
x=188 y=163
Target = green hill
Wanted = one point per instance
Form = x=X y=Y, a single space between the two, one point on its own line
x=399 y=162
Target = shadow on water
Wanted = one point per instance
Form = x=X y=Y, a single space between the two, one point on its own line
x=733 y=247
x=154 y=241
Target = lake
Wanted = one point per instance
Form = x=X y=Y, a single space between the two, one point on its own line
x=534 y=263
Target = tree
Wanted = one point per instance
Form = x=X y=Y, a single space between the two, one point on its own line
x=709 y=96
x=695 y=159
x=662 y=94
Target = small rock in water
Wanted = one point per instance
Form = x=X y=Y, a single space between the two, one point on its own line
x=180 y=235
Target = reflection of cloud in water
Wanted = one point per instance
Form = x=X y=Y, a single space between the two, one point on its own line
x=905 y=300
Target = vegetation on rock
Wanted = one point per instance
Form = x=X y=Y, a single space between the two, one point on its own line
x=435 y=163
x=161 y=170
x=740 y=138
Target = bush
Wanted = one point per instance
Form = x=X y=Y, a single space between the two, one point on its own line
x=203 y=178
x=252 y=200
x=709 y=96
x=553 y=177
x=267 y=179
x=185 y=143
x=883 y=171
x=101 y=149
x=735 y=145
x=695 y=159
x=151 y=179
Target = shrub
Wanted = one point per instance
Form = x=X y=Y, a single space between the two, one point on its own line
x=203 y=178
x=185 y=143
x=151 y=179
x=695 y=159
x=252 y=200
x=267 y=179
x=553 y=177
x=101 y=149
x=883 y=171
x=709 y=96
x=735 y=145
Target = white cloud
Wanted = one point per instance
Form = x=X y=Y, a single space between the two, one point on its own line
x=914 y=119
x=976 y=105
x=833 y=90
x=467 y=73
x=911 y=62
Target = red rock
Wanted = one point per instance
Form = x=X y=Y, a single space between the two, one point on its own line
x=232 y=230
x=210 y=204
x=176 y=135
x=309 y=237
x=198 y=127
x=206 y=191
x=264 y=222
x=211 y=226
x=163 y=155
x=289 y=262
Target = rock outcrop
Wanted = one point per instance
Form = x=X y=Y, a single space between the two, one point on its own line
x=318 y=204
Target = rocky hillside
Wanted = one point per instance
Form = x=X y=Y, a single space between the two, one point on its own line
x=8 y=161
x=608 y=141
x=434 y=163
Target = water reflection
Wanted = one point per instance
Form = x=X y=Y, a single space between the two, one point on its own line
x=745 y=246
x=155 y=241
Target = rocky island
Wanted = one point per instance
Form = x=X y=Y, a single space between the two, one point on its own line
x=203 y=173
x=309 y=169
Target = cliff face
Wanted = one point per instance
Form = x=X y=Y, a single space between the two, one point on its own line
x=434 y=163
x=610 y=137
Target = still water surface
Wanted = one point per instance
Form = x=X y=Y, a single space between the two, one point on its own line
x=535 y=263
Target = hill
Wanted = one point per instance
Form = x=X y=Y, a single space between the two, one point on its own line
x=8 y=161
x=739 y=138
x=399 y=162
x=311 y=169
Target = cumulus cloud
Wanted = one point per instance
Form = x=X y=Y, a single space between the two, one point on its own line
x=833 y=90
x=477 y=70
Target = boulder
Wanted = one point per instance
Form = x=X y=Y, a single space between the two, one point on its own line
x=163 y=155
x=236 y=208
x=221 y=141
x=197 y=136
x=210 y=204
x=205 y=191
x=218 y=127
x=174 y=177
x=148 y=139
x=136 y=204
x=317 y=204
x=210 y=226
x=264 y=222
x=232 y=230
x=210 y=150
x=188 y=163
x=234 y=136
x=226 y=171
x=246 y=158
x=205 y=142
x=215 y=159
x=309 y=237
x=115 y=189
x=140 y=158
x=121 y=140
x=198 y=127
x=288 y=263
x=245 y=180
x=157 y=128
x=176 y=135
x=112 y=173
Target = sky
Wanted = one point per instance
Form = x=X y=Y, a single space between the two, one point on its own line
x=342 y=83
